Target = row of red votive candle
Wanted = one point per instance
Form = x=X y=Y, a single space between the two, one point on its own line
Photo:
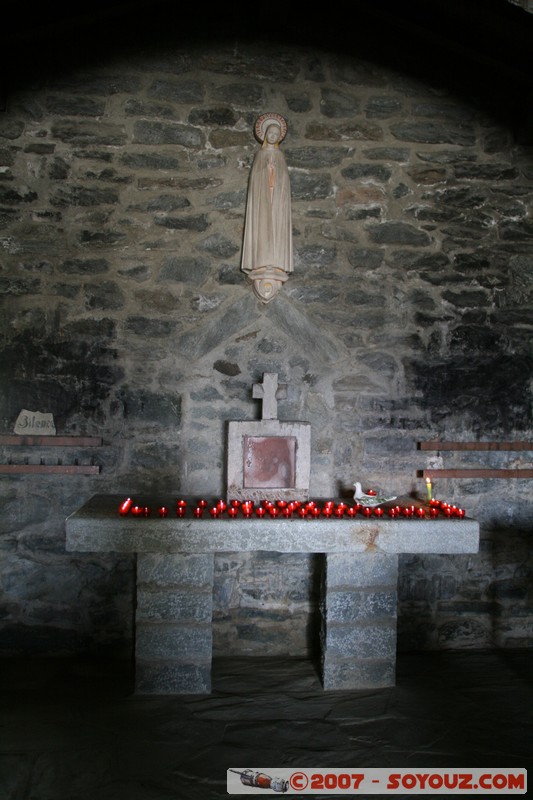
x=282 y=508
x=434 y=511
x=447 y=509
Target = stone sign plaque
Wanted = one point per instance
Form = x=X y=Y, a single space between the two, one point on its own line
x=35 y=422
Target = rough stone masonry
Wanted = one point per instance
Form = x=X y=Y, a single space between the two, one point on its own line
x=408 y=317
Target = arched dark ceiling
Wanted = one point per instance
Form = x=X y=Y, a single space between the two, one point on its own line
x=527 y=5
x=479 y=48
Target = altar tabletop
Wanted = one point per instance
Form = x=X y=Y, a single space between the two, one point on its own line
x=97 y=526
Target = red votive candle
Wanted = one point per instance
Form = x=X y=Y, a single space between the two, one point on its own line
x=181 y=504
x=420 y=512
x=180 y=511
x=460 y=513
x=327 y=511
x=137 y=511
x=433 y=513
x=260 y=511
x=339 y=511
x=302 y=511
x=214 y=511
x=286 y=511
x=233 y=511
x=378 y=512
x=235 y=503
x=221 y=505
x=367 y=511
x=125 y=506
x=162 y=511
x=392 y=513
x=273 y=511
x=198 y=511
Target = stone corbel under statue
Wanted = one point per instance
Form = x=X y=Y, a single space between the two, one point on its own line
x=267 y=281
x=267 y=247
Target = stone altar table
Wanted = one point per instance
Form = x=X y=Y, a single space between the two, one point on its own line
x=175 y=556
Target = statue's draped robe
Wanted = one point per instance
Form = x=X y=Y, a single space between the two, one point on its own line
x=268 y=224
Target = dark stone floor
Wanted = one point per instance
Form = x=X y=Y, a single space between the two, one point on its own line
x=73 y=730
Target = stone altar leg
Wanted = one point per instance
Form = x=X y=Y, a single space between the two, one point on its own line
x=359 y=609
x=173 y=647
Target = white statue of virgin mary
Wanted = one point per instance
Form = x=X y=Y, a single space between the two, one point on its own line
x=267 y=247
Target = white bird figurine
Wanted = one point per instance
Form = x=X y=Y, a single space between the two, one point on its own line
x=369 y=499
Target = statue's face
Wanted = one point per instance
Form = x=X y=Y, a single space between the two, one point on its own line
x=273 y=134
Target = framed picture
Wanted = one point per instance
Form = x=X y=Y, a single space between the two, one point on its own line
x=269 y=462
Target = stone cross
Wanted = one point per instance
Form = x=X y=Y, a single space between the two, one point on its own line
x=270 y=392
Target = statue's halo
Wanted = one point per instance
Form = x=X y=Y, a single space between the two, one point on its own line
x=263 y=122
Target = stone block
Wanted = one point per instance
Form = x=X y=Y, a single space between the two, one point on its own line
x=464 y=632
x=191 y=643
x=434 y=133
x=165 y=133
x=175 y=569
x=161 y=606
x=346 y=607
x=164 y=409
x=347 y=570
x=352 y=674
x=256 y=639
x=365 y=641
x=174 y=677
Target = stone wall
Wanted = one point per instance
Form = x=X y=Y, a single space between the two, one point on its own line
x=408 y=317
